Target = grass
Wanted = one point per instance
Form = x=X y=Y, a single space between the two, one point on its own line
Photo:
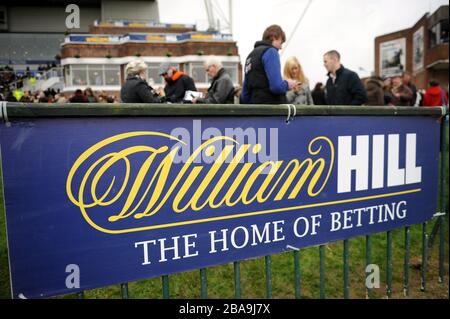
x=221 y=279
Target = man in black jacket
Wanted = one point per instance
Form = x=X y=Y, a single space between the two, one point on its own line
x=136 y=89
x=177 y=83
x=344 y=87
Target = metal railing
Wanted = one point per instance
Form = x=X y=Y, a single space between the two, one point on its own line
x=21 y=110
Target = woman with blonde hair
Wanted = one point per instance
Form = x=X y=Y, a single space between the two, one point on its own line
x=136 y=88
x=301 y=94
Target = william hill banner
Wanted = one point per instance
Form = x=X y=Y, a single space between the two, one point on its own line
x=97 y=201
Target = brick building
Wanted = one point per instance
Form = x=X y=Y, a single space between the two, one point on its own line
x=98 y=59
x=421 y=50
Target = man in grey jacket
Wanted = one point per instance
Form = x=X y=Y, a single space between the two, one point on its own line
x=221 y=90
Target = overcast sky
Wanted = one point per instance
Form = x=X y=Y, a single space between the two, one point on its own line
x=349 y=26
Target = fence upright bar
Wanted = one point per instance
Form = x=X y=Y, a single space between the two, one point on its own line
x=442 y=223
x=441 y=249
x=369 y=293
x=203 y=284
x=297 y=274
x=389 y=265
x=268 y=266
x=237 y=279
x=406 y=261
x=165 y=287
x=322 y=271
x=346 y=268
x=124 y=290
x=423 y=285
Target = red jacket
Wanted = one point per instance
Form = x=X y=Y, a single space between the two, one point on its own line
x=433 y=97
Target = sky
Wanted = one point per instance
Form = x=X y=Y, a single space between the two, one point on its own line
x=349 y=26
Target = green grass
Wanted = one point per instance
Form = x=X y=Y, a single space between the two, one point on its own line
x=221 y=279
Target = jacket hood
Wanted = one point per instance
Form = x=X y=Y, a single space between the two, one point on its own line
x=434 y=90
x=264 y=43
x=176 y=76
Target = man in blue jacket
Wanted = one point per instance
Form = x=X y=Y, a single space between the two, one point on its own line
x=344 y=87
x=263 y=83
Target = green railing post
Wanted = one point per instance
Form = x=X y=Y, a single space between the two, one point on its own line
x=346 y=268
x=368 y=262
x=237 y=279
x=165 y=287
x=406 y=262
x=322 y=271
x=203 y=284
x=124 y=290
x=441 y=249
x=442 y=223
x=268 y=266
x=297 y=274
x=389 y=264
x=423 y=285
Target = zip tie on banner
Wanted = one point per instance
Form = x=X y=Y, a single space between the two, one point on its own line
x=293 y=111
x=292 y=247
x=289 y=113
x=438 y=214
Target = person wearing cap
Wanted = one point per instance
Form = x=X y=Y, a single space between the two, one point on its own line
x=177 y=83
x=136 y=88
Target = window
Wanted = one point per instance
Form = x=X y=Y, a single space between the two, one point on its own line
x=112 y=75
x=444 y=31
x=154 y=79
x=95 y=75
x=232 y=69
x=198 y=73
x=79 y=74
x=438 y=33
x=92 y=75
x=432 y=33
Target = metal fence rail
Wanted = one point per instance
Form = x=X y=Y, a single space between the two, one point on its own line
x=19 y=110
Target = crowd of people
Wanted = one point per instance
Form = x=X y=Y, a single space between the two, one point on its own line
x=12 y=85
x=264 y=83
x=401 y=91
x=56 y=97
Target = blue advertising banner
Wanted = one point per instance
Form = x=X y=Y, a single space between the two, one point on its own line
x=97 y=201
